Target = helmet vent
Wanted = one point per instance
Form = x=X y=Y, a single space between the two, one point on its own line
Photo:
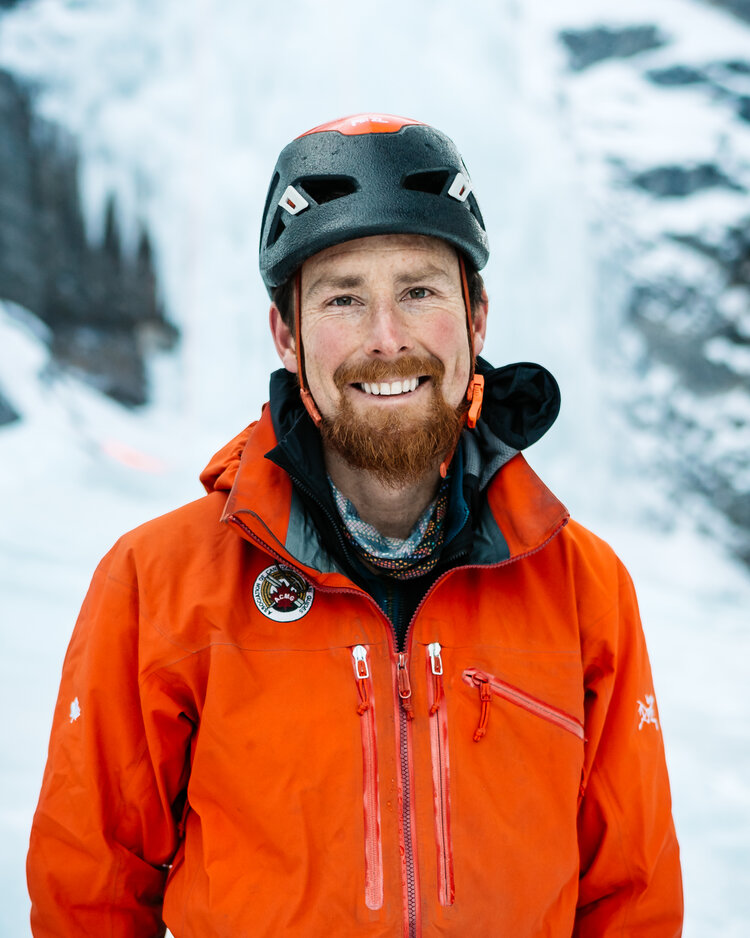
x=433 y=181
x=269 y=197
x=277 y=229
x=327 y=188
x=474 y=209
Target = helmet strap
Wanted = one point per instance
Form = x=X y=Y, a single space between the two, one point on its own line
x=475 y=388
x=304 y=392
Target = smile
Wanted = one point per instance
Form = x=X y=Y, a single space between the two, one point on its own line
x=405 y=386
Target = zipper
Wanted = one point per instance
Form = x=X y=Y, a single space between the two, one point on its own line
x=405 y=713
x=404 y=686
x=412 y=911
x=371 y=797
x=440 y=773
x=489 y=686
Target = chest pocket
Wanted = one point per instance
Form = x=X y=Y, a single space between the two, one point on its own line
x=490 y=688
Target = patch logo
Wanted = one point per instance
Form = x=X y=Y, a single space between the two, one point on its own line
x=282 y=594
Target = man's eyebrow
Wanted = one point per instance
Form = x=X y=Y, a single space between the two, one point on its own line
x=329 y=282
x=428 y=272
x=352 y=281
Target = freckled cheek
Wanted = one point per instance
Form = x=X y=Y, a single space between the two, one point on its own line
x=324 y=352
x=451 y=345
x=457 y=371
x=321 y=339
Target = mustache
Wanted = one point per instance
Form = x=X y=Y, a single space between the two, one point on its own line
x=376 y=370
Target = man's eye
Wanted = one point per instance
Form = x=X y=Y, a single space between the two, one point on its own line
x=342 y=301
x=418 y=293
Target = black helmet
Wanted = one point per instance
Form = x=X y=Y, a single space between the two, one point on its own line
x=366 y=175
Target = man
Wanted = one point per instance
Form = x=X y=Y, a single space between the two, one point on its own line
x=376 y=682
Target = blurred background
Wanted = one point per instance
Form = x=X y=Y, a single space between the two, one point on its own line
x=610 y=153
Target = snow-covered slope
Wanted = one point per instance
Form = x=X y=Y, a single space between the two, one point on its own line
x=181 y=109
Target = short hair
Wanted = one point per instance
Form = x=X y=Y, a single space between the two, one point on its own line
x=283 y=296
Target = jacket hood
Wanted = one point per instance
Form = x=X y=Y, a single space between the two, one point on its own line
x=220 y=473
x=521 y=402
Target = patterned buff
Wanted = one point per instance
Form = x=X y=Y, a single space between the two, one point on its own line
x=403 y=559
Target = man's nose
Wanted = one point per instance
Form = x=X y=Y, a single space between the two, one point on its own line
x=388 y=333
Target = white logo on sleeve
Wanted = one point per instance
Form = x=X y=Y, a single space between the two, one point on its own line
x=75 y=710
x=647 y=712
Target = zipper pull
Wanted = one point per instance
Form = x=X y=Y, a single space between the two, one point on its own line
x=362 y=673
x=404 y=686
x=485 y=696
x=436 y=666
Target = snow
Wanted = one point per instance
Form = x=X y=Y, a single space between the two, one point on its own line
x=723 y=352
x=181 y=109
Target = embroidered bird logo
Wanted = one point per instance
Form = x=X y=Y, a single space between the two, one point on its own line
x=647 y=712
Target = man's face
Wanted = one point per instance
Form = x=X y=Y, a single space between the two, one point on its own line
x=385 y=338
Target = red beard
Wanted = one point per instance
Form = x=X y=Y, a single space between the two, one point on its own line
x=398 y=448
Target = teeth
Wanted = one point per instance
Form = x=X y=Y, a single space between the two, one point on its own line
x=391 y=387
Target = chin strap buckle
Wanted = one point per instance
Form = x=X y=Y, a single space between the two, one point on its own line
x=475 y=395
x=307 y=400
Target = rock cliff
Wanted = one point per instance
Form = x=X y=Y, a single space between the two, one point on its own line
x=100 y=305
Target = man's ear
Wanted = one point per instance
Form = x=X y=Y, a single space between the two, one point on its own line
x=480 y=322
x=283 y=339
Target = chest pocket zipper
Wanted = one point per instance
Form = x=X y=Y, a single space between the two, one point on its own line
x=440 y=773
x=490 y=686
x=371 y=797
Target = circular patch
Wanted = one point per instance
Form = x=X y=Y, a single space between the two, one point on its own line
x=282 y=594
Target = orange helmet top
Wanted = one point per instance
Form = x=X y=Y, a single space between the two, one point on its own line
x=356 y=124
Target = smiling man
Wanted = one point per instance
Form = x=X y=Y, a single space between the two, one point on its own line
x=376 y=682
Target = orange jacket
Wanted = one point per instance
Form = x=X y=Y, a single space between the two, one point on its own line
x=239 y=750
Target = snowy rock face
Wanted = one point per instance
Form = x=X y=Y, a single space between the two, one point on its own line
x=662 y=120
x=98 y=304
x=8 y=414
x=589 y=46
x=740 y=8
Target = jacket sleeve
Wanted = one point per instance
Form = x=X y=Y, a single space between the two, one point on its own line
x=630 y=880
x=106 y=827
